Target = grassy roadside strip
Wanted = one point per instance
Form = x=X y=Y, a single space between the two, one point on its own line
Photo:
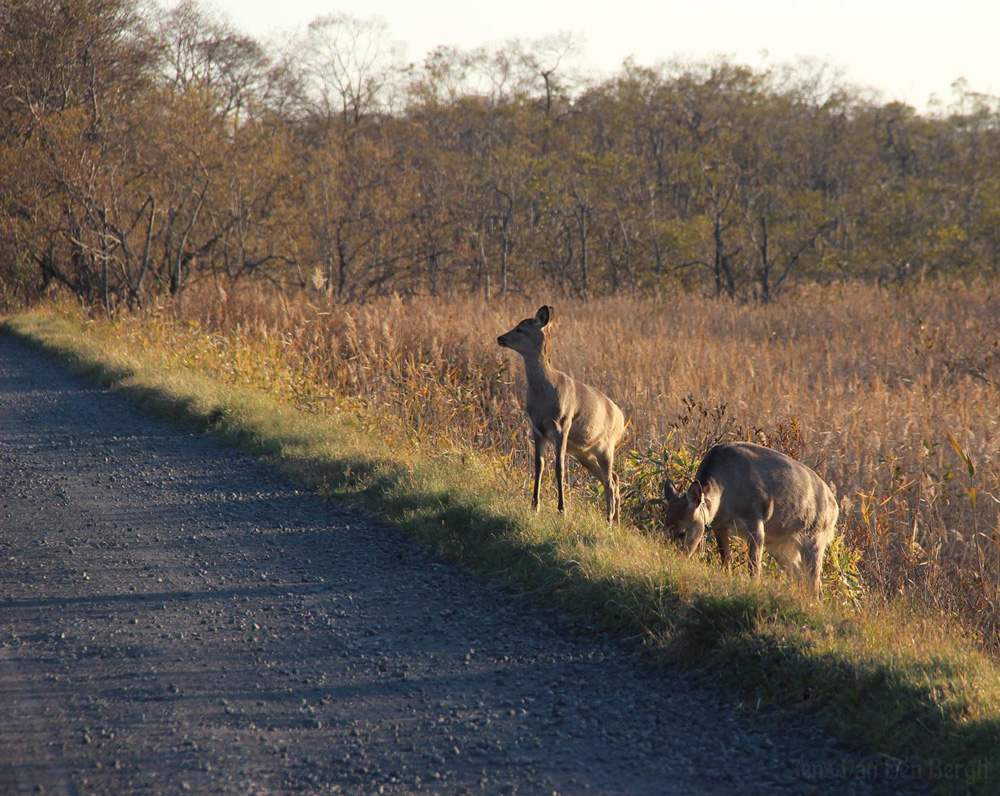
x=907 y=686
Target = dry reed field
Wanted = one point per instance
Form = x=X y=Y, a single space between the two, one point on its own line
x=892 y=395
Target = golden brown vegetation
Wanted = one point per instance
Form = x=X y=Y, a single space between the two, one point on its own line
x=892 y=396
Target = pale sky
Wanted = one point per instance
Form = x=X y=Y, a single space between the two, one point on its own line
x=905 y=50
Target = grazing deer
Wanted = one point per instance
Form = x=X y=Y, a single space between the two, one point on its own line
x=569 y=414
x=772 y=498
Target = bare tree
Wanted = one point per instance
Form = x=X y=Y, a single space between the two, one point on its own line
x=349 y=67
x=198 y=50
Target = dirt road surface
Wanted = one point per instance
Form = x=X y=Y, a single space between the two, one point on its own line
x=176 y=617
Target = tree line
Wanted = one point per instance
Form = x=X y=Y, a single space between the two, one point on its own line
x=143 y=148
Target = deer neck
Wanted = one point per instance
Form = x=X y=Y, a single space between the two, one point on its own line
x=538 y=369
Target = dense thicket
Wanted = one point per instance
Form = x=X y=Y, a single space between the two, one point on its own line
x=142 y=148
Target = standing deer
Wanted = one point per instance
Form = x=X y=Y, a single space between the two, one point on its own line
x=569 y=414
x=773 y=499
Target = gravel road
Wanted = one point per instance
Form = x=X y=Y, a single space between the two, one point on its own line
x=176 y=617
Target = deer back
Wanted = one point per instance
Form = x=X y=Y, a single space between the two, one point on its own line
x=760 y=483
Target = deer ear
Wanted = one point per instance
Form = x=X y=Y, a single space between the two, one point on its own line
x=695 y=494
x=669 y=491
x=544 y=314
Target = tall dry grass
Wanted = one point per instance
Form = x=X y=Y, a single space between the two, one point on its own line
x=893 y=396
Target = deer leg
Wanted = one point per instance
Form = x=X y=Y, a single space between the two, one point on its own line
x=596 y=469
x=755 y=546
x=561 y=440
x=722 y=540
x=785 y=559
x=615 y=512
x=811 y=571
x=605 y=473
x=539 y=467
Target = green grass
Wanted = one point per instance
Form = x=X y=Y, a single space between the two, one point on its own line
x=903 y=684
